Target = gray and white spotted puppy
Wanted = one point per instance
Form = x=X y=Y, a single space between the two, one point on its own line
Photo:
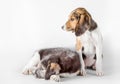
x=53 y=63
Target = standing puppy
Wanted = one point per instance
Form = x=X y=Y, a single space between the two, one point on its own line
x=88 y=39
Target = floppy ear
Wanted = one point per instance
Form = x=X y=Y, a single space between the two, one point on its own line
x=93 y=25
x=85 y=22
x=90 y=22
x=81 y=27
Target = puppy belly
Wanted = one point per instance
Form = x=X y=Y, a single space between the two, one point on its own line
x=89 y=61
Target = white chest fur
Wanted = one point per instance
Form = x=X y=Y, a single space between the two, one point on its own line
x=88 y=43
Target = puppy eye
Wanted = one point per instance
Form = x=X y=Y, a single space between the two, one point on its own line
x=72 y=19
x=78 y=17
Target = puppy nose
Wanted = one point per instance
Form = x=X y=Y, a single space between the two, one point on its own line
x=62 y=27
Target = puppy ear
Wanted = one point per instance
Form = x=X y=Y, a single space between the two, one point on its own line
x=91 y=24
x=47 y=73
x=81 y=26
x=85 y=23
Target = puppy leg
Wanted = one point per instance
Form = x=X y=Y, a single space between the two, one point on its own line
x=32 y=64
x=98 y=65
x=79 y=50
x=97 y=40
x=78 y=44
x=82 y=70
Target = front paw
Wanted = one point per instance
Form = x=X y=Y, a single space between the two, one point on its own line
x=99 y=73
x=56 y=78
x=27 y=71
x=83 y=72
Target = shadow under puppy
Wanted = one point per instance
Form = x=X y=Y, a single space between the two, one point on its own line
x=54 y=63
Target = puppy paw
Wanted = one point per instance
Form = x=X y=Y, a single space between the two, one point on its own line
x=99 y=73
x=27 y=71
x=55 y=78
x=83 y=72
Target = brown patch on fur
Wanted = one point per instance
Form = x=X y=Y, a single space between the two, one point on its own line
x=52 y=69
x=54 y=66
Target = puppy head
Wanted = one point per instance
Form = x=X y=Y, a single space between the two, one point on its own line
x=52 y=68
x=79 y=21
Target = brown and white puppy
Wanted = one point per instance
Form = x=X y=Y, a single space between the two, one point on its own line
x=88 y=39
x=52 y=63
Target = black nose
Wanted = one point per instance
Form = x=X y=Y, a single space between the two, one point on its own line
x=62 y=27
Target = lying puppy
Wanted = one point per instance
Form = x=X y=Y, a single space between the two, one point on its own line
x=52 y=63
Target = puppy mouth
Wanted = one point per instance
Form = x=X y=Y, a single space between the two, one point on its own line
x=68 y=29
x=72 y=30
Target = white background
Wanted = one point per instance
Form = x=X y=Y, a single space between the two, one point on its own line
x=27 y=25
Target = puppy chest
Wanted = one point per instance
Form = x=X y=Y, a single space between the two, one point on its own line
x=88 y=49
x=87 y=44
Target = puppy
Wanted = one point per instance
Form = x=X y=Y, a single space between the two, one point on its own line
x=52 y=63
x=88 y=39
